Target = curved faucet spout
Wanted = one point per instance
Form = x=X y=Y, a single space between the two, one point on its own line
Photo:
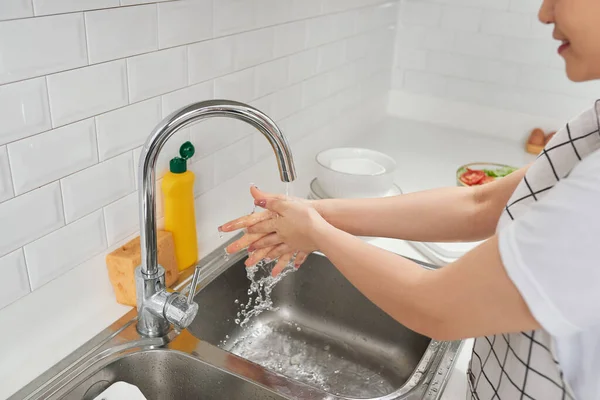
x=173 y=123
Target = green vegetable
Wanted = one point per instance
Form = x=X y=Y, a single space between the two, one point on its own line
x=500 y=172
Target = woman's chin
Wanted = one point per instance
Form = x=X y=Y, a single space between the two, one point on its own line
x=578 y=73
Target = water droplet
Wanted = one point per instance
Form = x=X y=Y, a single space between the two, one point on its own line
x=226 y=336
x=237 y=301
x=326 y=348
x=298 y=329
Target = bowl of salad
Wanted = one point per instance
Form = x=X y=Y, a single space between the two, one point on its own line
x=475 y=174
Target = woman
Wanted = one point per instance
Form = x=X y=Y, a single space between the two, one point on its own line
x=529 y=294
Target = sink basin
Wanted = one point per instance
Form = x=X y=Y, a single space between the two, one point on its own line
x=324 y=332
x=324 y=341
x=164 y=374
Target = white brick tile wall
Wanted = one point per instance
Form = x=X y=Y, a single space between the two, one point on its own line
x=14 y=270
x=30 y=217
x=24 y=109
x=44 y=158
x=122 y=218
x=98 y=186
x=252 y=48
x=69 y=91
x=6 y=187
x=121 y=32
x=10 y=9
x=34 y=47
x=83 y=83
x=210 y=59
x=185 y=21
x=271 y=76
x=65 y=248
x=290 y=38
x=126 y=128
x=487 y=52
x=45 y=7
x=157 y=73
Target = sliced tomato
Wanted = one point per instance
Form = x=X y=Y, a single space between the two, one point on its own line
x=472 y=177
x=487 y=179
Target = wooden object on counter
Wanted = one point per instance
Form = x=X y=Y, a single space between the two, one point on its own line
x=536 y=141
x=123 y=261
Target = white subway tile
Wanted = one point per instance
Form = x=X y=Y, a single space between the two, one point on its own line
x=121 y=32
x=14 y=273
x=303 y=65
x=424 y=82
x=252 y=48
x=344 y=24
x=461 y=19
x=332 y=6
x=483 y=4
x=184 y=97
x=525 y=6
x=238 y=86
x=45 y=7
x=232 y=160
x=315 y=89
x=273 y=12
x=412 y=59
x=170 y=150
x=122 y=218
x=126 y=128
x=51 y=155
x=343 y=77
x=157 y=73
x=30 y=217
x=532 y=51
x=64 y=249
x=320 y=30
x=356 y=47
x=476 y=44
x=186 y=21
x=271 y=77
x=473 y=68
x=12 y=9
x=540 y=30
x=38 y=46
x=263 y=104
x=204 y=171
x=331 y=55
x=506 y=24
x=286 y=102
x=232 y=16
x=95 y=187
x=555 y=80
x=24 y=109
x=306 y=8
x=88 y=91
x=216 y=133
x=416 y=12
x=6 y=188
x=211 y=59
x=290 y=38
x=133 y=2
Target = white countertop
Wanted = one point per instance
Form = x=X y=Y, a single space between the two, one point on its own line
x=43 y=327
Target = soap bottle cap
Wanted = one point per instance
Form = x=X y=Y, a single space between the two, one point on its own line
x=178 y=165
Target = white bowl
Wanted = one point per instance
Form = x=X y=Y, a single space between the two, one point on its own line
x=355 y=173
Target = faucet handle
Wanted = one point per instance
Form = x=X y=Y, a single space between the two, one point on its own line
x=179 y=311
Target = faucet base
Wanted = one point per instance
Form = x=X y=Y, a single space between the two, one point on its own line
x=151 y=298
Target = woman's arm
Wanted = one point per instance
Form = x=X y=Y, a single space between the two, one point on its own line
x=471 y=297
x=438 y=215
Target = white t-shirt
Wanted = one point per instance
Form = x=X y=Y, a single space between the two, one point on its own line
x=549 y=240
x=552 y=254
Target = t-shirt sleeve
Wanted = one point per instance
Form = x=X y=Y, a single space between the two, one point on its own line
x=552 y=252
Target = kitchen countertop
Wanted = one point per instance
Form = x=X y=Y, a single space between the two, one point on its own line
x=427 y=157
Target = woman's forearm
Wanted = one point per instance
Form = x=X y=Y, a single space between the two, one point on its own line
x=450 y=214
x=446 y=214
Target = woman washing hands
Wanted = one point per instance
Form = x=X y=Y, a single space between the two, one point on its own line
x=528 y=294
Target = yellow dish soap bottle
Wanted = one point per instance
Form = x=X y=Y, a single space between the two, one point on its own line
x=180 y=218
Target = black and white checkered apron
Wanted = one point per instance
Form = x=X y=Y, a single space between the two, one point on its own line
x=524 y=365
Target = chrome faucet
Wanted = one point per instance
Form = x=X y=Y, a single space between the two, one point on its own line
x=157 y=308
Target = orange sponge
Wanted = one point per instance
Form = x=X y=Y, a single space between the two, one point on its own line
x=123 y=261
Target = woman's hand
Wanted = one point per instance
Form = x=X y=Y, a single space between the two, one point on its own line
x=261 y=240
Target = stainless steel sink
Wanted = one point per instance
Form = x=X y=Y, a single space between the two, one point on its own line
x=325 y=333
x=325 y=341
x=164 y=374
